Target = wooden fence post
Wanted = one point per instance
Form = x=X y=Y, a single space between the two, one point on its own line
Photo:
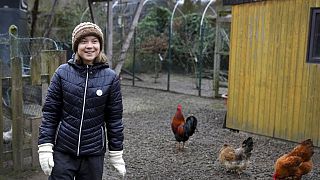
x=50 y=60
x=36 y=70
x=217 y=56
x=35 y=122
x=16 y=101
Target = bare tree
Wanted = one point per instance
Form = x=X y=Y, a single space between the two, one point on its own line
x=126 y=44
x=34 y=13
x=50 y=19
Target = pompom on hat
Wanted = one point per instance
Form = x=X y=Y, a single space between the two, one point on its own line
x=86 y=29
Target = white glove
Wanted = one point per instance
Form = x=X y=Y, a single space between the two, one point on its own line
x=117 y=161
x=46 y=157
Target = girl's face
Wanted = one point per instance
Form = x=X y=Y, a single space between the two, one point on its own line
x=89 y=49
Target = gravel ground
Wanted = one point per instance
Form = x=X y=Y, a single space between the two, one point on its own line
x=150 y=151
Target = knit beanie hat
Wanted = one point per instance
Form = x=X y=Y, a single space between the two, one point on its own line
x=86 y=29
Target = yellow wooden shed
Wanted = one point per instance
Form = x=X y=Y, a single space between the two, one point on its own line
x=274 y=68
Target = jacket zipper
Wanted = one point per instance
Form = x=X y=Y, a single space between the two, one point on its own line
x=83 y=106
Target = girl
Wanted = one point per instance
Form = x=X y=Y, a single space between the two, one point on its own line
x=82 y=107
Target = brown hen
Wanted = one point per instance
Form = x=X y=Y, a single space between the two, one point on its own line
x=296 y=163
x=236 y=159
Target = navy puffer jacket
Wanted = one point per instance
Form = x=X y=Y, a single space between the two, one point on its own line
x=82 y=101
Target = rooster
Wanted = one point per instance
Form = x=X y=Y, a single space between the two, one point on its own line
x=296 y=163
x=181 y=128
x=237 y=159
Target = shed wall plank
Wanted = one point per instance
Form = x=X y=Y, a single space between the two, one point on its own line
x=272 y=90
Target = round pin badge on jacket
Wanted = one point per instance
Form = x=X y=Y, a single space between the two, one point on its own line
x=99 y=92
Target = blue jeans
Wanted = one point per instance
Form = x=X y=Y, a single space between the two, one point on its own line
x=69 y=167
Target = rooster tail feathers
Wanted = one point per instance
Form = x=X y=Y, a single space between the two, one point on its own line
x=248 y=145
x=190 y=125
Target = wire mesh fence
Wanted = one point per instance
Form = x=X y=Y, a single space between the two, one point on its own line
x=190 y=68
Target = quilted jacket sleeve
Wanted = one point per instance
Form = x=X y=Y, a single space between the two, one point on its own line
x=114 y=117
x=51 y=111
